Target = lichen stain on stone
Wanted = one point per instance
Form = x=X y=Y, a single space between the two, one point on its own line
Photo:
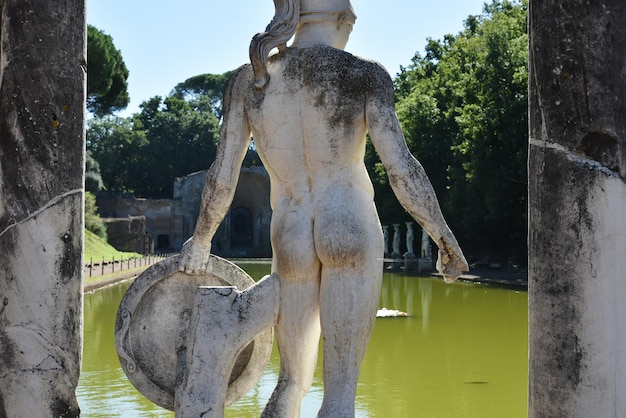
x=2 y=406
x=8 y=245
x=291 y=71
x=68 y=259
x=63 y=409
x=338 y=80
x=566 y=353
x=570 y=360
x=566 y=217
x=242 y=361
x=603 y=148
x=7 y=352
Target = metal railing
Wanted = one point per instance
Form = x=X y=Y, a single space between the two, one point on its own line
x=113 y=265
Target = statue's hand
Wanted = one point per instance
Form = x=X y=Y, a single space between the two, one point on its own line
x=195 y=258
x=451 y=263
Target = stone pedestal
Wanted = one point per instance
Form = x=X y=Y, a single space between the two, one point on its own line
x=410 y=262
x=424 y=265
x=409 y=238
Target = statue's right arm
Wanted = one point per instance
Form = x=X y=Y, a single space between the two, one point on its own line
x=222 y=176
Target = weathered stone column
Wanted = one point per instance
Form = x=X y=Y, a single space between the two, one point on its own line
x=577 y=195
x=42 y=108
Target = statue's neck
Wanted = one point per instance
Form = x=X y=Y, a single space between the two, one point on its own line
x=320 y=33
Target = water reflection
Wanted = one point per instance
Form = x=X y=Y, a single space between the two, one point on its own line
x=104 y=390
x=461 y=353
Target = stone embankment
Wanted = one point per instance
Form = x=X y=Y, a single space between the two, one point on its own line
x=96 y=277
x=510 y=278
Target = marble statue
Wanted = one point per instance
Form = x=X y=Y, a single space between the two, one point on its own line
x=395 y=244
x=309 y=107
x=425 y=245
x=409 y=239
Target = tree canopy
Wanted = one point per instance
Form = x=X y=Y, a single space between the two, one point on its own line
x=207 y=88
x=463 y=110
x=93 y=178
x=462 y=107
x=170 y=137
x=107 y=88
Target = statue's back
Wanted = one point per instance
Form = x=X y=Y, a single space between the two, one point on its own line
x=309 y=122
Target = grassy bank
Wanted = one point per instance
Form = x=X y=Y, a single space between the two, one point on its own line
x=96 y=249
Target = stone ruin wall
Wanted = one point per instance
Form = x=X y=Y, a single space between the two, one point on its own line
x=148 y=225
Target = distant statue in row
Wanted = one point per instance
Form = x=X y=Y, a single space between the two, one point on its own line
x=425 y=245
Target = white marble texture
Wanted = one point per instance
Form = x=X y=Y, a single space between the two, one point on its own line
x=309 y=114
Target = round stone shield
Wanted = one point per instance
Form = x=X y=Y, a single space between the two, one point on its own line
x=151 y=326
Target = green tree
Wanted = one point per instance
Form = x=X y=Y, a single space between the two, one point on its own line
x=491 y=144
x=93 y=178
x=93 y=222
x=463 y=111
x=211 y=87
x=116 y=146
x=107 y=88
x=181 y=138
x=145 y=153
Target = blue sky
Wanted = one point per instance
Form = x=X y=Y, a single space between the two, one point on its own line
x=165 y=42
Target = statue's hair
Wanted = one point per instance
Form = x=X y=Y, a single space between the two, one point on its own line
x=277 y=33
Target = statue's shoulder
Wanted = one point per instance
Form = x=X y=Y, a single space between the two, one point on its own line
x=364 y=68
x=240 y=81
x=241 y=75
x=374 y=69
x=325 y=60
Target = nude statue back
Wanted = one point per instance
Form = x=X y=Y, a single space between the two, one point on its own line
x=310 y=120
x=309 y=127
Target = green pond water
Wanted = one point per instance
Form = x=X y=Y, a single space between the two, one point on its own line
x=462 y=353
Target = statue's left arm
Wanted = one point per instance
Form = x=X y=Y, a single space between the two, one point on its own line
x=407 y=176
x=222 y=177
